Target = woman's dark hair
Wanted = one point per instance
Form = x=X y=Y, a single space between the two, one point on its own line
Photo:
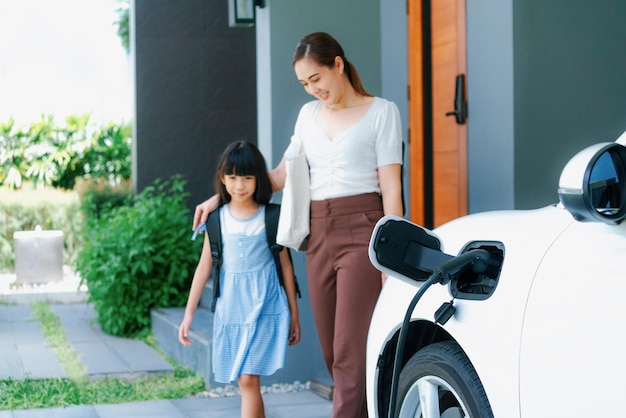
x=242 y=158
x=323 y=48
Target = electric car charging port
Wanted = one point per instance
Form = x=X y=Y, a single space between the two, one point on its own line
x=479 y=286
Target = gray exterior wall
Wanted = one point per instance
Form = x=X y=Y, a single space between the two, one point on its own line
x=195 y=90
x=545 y=79
x=490 y=136
x=394 y=71
x=570 y=87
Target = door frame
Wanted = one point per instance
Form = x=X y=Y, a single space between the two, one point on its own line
x=423 y=185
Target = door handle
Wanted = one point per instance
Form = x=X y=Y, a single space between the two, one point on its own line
x=460 y=101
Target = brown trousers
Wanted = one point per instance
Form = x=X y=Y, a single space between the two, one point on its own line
x=344 y=287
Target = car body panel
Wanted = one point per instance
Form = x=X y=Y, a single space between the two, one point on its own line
x=474 y=320
x=583 y=336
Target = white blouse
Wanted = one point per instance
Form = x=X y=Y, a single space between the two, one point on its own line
x=347 y=165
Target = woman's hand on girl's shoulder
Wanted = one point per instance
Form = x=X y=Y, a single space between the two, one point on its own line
x=203 y=209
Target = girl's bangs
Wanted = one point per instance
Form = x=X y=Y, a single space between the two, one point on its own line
x=240 y=163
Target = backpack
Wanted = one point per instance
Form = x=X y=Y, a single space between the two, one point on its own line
x=214 y=229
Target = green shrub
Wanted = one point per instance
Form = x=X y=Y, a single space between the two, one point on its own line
x=23 y=210
x=100 y=197
x=50 y=155
x=139 y=257
x=108 y=155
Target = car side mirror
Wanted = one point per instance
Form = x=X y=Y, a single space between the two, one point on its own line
x=592 y=186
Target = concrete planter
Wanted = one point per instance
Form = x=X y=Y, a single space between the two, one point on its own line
x=38 y=256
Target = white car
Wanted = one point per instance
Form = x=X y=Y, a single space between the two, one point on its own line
x=507 y=314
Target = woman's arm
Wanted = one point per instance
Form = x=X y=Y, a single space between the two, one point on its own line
x=391 y=189
x=203 y=209
x=289 y=282
x=278 y=176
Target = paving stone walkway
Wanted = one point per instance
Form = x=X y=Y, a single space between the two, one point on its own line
x=24 y=352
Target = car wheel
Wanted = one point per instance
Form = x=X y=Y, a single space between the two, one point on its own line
x=439 y=381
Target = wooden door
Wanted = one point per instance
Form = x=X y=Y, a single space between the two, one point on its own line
x=437 y=143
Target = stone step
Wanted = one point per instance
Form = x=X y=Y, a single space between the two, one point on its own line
x=197 y=356
x=323 y=387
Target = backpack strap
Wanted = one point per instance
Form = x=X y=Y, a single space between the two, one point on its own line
x=214 y=229
x=272 y=213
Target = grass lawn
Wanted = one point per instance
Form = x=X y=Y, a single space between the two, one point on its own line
x=78 y=389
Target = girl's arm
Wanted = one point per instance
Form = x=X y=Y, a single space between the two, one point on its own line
x=277 y=178
x=200 y=277
x=290 y=289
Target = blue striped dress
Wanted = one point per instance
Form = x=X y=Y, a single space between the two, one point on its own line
x=251 y=322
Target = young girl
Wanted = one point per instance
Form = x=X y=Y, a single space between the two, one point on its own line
x=255 y=317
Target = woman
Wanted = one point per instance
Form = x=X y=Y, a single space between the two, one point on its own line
x=353 y=143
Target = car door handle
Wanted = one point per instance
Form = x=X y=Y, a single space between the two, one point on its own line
x=460 y=101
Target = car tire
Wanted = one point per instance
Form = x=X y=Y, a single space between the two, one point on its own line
x=441 y=379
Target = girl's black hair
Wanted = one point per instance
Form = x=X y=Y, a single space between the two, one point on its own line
x=242 y=158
